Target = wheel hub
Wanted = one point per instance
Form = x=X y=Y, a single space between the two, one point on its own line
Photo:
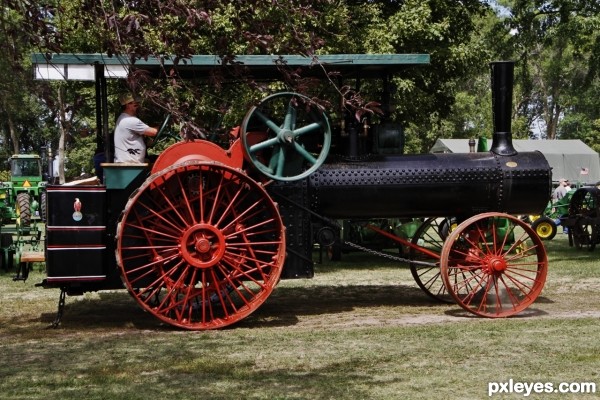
x=496 y=264
x=286 y=136
x=202 y=245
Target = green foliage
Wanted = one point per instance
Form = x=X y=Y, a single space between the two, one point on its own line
x=579 y=126
x=79 y=159
x=455 y=101
x=18 y=108
x=556 y=44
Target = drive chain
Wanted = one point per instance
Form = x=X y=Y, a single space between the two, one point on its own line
x=390 y=256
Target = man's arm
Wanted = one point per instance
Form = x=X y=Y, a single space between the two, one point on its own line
x=150 y=132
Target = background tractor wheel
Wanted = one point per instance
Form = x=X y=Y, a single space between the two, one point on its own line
x=24 y=209
x=43 y=211
x=6 y=251
x=545 y=228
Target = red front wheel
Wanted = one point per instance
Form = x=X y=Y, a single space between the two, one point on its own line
x=200 y=245
x=494 y=265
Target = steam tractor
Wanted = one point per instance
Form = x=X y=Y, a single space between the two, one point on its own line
x=201 y=237
x=583 y=218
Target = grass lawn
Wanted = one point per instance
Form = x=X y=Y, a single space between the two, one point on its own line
x=361 y=329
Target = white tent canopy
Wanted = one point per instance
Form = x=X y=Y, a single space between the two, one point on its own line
x=569 y=159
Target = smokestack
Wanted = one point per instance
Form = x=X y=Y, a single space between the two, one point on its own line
x=502 y=92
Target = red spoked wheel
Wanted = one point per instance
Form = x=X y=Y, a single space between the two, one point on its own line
x=494 y=265
x=200 y=245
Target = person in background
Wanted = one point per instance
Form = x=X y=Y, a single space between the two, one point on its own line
x=130 y=132
x=561 y=190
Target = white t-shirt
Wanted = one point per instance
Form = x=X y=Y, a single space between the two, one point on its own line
x=129 y=139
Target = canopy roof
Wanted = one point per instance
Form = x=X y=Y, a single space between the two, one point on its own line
x=569 y=159
x=98 y=67
x=81 y=66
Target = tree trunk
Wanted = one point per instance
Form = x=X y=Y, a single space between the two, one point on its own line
x=14 y=138
x=13 y=135
x=552 y=124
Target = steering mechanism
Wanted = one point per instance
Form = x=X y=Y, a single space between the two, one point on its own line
x=163 y=133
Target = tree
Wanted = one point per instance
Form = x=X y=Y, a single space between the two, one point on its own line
x=17 y=106
x=557 y=45
x=424 y=98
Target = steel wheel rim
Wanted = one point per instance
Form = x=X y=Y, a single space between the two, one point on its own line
x=493 y=272
x=200 y=245
x=430 y=235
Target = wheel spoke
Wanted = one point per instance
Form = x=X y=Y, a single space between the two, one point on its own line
x=267 y=121
x=263 y=145
x=314 y=127
x=273 y=160
x=217 y=201
x=289 y=122
x=307 y=156
x=280 y=162
x=200 y=245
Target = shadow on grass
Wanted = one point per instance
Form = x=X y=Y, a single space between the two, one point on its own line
x=109 y=310
x=285 y=307
x=527 y=313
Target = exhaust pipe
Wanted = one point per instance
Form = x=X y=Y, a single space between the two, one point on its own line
x=502 y=92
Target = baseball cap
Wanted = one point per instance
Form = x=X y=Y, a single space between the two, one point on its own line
x=126 y=98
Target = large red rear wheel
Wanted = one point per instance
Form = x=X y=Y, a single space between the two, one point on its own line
x=200 y=245
x=494 y=265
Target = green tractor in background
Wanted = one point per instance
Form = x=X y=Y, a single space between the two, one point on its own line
x=546 y=225
x=22 y=205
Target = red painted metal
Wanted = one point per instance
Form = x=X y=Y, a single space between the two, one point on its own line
x=426 y=245
x=200 y=150
x=200 y=245
x=404 y=242
x=494 y=265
